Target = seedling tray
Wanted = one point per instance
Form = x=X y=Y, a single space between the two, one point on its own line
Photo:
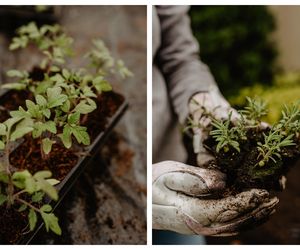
x=83 y=161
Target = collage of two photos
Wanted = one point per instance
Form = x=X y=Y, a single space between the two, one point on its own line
x=225 y=123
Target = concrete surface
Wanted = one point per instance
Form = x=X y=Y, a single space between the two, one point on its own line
x=107 y=205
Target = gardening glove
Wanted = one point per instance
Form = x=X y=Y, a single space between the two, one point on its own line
x=181 y=202
x=211 y=102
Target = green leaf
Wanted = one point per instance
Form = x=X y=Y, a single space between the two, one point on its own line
x=66 y=74
x=51 y=222
x=105 y=86
x=2 y=129
x=32 y=218
x=81 y=135
x=66 y=136
x=30 y=185
x=14 y=85
x=40 y=100
x=16 y=73
x=84 y=108
x=37 y=196
x=3 y=198
x=74 y=118
x=21 y=113
x=47 y=145
x=33 y=109
x=50 y=126
x=66 y=106
x=46 y=208
x=20 y=177
x=2 y=146
x=55 y=98
x=20 y=132
x=12 y=121
x=53 y=182
x=22 y=208
x=43 y=174
x=46 y=113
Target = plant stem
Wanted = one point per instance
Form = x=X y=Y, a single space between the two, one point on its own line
x=28 y=204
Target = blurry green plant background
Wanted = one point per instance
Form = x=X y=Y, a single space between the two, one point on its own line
x=235 y=42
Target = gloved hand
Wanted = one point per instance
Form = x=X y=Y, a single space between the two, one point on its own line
x=213 y=103
x=181 y=202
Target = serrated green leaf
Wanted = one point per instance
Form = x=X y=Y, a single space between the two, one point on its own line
x=37 y=196
x=21 y=113
x=81 y=135
x=51 y=222
x=32 y=218
x=32 y=108
x=55 y=98
x=84 y=108
x=74 y=118
x=47 y=188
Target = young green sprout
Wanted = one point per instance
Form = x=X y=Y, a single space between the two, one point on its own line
x=19 y=183
x=255 y=110
x=289 y=123
x=273 y=143
x=224 y=135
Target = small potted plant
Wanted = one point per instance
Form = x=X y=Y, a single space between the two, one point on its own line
x=252 y=155
x=52 y=118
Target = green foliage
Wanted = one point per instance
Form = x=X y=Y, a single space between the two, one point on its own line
x=101 y=59
x=224 y=135
x=34 y=186
x=235 y=43
x=255 y=110
x=62 y=97
x=290 y=121
x=273 y=143
x=51 y=40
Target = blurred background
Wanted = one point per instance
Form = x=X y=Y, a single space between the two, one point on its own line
x=254 y=51
x=107 y=205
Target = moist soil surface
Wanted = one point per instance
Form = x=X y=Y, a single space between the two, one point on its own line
x=60 y=161
x=242 y=169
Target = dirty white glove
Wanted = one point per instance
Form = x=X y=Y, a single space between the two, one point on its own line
x=213 y=103
x=181 y=202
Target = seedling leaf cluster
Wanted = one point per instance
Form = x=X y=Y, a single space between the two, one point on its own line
x=61 y=99
x=251 y=152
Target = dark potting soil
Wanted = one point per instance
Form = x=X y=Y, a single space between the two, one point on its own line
x=242 y=169
x=60 y=161
x=12 y=224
